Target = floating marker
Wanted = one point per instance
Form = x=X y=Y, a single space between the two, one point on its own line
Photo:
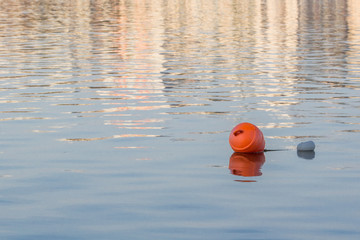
x=247 y=138
x=306 y=146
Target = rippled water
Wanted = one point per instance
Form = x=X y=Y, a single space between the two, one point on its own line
x=115 y=116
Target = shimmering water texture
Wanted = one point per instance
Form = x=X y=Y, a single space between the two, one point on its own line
x=115 y=118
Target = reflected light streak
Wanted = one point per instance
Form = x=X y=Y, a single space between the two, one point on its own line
x=131 y=147
x=105 y=138
x=25 y=118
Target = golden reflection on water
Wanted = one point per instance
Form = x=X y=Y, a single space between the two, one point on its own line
x=178 y=59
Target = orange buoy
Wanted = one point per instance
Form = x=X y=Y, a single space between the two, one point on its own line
x=247 y=138
x=246 y=164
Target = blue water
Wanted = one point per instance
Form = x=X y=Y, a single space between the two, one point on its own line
x=115 y=117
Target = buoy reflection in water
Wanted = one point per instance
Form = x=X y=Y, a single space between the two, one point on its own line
x=246 y=164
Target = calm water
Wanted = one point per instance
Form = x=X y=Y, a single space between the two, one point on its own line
x=115 y=116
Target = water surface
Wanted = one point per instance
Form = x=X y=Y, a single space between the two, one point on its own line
x=115 y=116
